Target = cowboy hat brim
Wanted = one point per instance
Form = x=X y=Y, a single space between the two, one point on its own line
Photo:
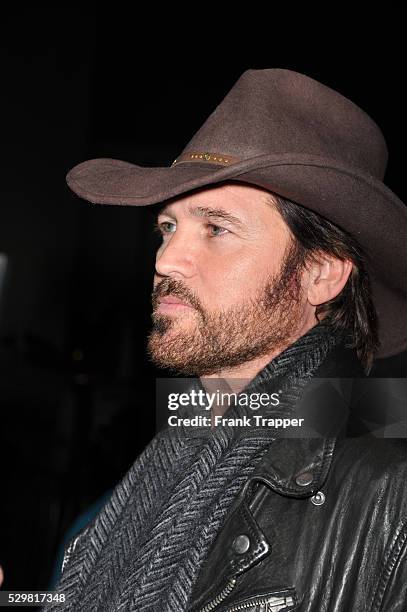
x=354 y=200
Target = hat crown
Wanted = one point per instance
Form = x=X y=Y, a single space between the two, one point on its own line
x=279 y=111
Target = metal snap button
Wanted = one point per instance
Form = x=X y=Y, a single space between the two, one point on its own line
x=241 y=544
x=304 y=479
x=318 y=499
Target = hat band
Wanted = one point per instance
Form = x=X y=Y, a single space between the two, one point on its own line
x=199 y=156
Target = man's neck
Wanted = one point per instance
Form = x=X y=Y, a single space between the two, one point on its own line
x=237 y=377
x=233 y=380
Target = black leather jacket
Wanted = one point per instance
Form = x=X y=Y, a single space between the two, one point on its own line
x=320 y=526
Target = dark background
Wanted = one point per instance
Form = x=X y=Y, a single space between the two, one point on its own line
x=76 y=390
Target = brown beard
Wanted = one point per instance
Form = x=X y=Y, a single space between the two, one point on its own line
x=228 y=338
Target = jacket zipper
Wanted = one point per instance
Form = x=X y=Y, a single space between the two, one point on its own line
x=272 y=604
x=279 y=603
x=220 y=597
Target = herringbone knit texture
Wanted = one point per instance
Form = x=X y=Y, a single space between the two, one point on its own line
x=145 y=548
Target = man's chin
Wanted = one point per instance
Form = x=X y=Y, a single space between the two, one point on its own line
x=168 y=340
x=166 y=324
x=164 y=355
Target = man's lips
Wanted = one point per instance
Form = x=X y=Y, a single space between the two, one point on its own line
x=170 y=302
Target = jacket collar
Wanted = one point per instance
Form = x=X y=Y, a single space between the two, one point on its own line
x=298 y=467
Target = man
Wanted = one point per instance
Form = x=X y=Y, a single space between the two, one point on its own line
x=276 y=270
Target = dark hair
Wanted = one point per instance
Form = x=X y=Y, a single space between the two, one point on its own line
x=352 y=309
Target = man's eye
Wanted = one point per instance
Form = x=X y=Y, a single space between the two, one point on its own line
x=165 y=227
x=216 y=230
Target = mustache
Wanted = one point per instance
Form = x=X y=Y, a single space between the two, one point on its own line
x=170 y=286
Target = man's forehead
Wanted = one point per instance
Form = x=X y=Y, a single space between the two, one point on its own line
x=228 y=202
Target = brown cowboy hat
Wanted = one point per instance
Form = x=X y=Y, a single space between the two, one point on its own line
x=288 y=133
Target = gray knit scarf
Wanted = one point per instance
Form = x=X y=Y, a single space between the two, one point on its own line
x=145 y=548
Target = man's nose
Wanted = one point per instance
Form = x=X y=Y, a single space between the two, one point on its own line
x=176 y=256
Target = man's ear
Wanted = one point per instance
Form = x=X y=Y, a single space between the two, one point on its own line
x=327 y=277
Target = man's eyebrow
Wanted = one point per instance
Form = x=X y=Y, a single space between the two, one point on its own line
x=214 y=213
x=209 y=212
